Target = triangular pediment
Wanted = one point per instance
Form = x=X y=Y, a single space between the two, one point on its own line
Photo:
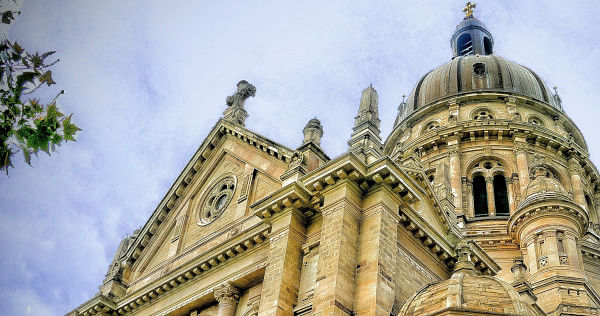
x=229 y=150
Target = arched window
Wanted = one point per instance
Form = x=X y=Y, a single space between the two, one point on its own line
x=480 y=196
x=464 y=45
x=500 y=196
x=487 y=46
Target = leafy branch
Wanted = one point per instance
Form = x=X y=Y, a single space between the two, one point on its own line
x=26 y=124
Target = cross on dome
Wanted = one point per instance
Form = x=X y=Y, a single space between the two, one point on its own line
x=468 y=10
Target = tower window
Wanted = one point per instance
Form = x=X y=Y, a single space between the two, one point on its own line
x=500 y=196
x=464 y=45
x=487 y=46
x=480 y=196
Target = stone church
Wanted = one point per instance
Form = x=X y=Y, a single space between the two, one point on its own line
x=481 y=201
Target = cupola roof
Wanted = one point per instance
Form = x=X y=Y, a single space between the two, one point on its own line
x=475 y=68
x=468 y=293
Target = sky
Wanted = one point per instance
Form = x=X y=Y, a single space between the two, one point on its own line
x=146 y=82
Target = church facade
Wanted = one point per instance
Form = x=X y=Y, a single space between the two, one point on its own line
x=481 y=201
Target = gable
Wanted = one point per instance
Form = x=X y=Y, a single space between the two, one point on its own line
x=243 y=164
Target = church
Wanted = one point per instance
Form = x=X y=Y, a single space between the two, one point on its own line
x=481 y=201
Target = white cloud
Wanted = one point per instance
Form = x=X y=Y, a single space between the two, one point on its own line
x=147 y=82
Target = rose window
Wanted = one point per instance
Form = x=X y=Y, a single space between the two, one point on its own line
x=216 y=200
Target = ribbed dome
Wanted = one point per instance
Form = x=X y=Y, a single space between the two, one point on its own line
x=477 y=73
x=469 y=294
x=543 y=188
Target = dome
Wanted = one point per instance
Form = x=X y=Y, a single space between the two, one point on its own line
x=477 y=73
x=468 y=293
x=543 y=187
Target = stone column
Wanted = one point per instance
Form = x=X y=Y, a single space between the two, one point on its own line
x=489 y=185
x=575 y=170
x=522 y=165
x=227 y=295
x=455 y=181
x=376 y=269
x=282 y=275
x=335 y=282
x=511 y=195
x=471 y=197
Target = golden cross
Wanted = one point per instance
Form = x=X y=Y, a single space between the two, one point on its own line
x=468 y=10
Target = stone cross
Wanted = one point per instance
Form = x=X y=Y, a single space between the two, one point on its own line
x=244 y=91
x=468 y=10
x=235 y=112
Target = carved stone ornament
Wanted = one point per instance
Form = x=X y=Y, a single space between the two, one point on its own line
x=235 y=111
x=227 y=294
x=216 y=200
x=543 y=260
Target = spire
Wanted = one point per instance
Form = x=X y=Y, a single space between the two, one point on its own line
x=365 y=140
x=313 y=132
x=235 y=113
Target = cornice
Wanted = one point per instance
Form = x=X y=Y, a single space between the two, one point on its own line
x=547 y=208
x=214 y=259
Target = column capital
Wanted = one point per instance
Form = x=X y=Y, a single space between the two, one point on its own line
x=520 y=148
x=226 y=293
x=574 y=166
x=454 y=151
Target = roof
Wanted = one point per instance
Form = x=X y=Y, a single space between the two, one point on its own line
x=477 y=73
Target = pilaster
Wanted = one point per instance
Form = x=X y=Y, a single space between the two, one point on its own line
x=376 y=269
x=455 y=180
x=338 y=251
x=520 y=149
x=576 y=184
x=282 y=275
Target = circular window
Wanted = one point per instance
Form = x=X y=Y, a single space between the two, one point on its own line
x=216 y=200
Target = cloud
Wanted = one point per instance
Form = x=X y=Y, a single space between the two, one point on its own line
x=146 y=83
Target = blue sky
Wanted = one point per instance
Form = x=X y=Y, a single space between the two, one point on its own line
x=147 y=82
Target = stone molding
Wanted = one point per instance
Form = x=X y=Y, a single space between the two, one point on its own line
x=219 y=257
x=564 y=209
x=343 y=204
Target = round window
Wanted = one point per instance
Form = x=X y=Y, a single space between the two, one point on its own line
x=216 y=200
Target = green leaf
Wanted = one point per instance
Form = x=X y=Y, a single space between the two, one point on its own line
x=17 y=47
x=24 y=78
x=52 y=112
x=47 y=78
x=26 y=154
x=69 y=129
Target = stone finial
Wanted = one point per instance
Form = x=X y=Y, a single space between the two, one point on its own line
x=313 y=132
x=518 y=269
x=365 y=140
x=235 y=111
x=464 y=263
